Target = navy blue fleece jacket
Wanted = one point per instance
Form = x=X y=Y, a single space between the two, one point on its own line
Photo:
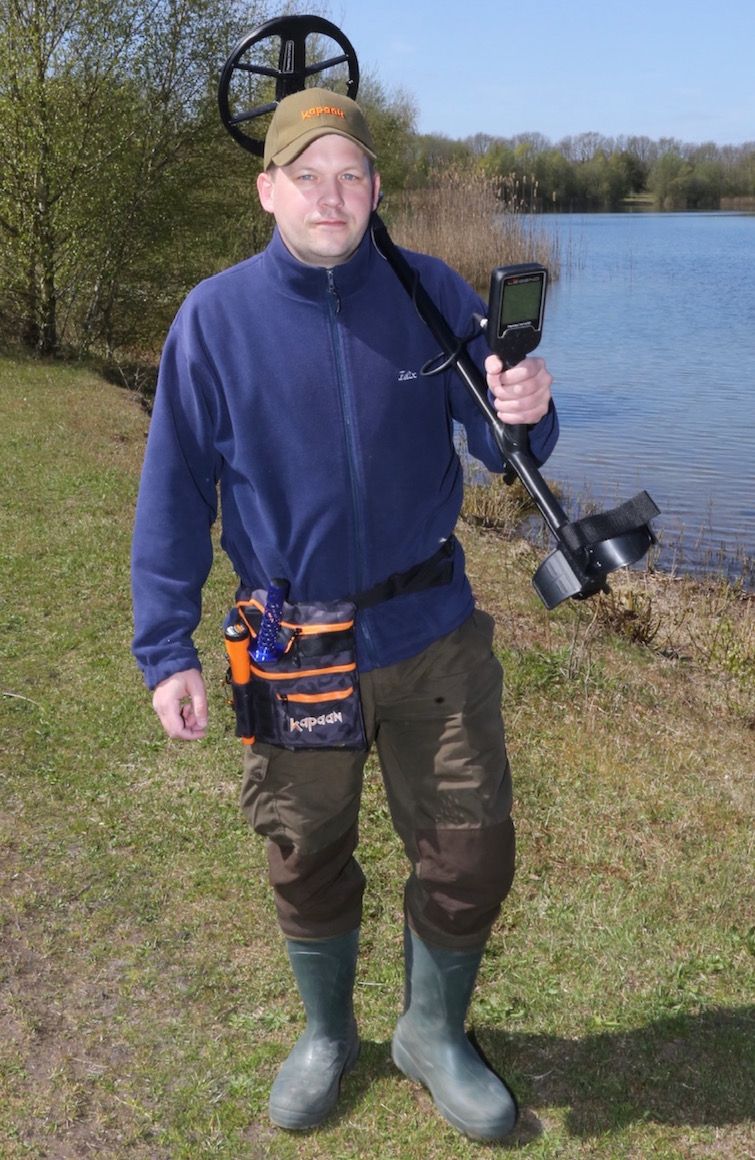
x=296 y=393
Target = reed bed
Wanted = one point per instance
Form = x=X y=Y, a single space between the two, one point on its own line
x=474 y=223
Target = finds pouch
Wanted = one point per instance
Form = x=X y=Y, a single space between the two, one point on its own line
x=308 y=697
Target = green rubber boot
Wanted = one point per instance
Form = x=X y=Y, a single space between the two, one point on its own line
x=430 y=1044
x=307 y=1086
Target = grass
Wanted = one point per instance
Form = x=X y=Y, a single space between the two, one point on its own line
x=145 y=1002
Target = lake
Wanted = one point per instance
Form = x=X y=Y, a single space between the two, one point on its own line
x=650 y=334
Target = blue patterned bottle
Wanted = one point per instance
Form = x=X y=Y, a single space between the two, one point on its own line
x=269 y=647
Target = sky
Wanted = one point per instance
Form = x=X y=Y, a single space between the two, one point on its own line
x=655 y=68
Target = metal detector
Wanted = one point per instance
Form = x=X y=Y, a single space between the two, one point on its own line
x=254 y=79
x=244 y=98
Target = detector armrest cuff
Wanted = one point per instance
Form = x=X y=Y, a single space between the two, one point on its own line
x=618 y=521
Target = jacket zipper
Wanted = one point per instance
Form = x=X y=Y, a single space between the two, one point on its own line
x=355 y=474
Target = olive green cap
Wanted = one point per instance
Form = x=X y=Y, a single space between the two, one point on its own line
x=302 y=117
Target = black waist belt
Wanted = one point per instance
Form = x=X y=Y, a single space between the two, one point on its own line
x=430 y=573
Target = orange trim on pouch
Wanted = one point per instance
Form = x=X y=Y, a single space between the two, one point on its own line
x=269 y=676
x=314 y=698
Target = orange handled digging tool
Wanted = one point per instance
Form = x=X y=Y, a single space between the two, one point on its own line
x=237 y=648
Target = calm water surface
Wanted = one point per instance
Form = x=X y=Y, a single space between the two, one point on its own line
x=650 y=333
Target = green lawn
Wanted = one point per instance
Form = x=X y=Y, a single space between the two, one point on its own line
x=145 y=1001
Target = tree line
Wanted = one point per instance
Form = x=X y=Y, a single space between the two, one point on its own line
x=593 y=172
x=120 y=189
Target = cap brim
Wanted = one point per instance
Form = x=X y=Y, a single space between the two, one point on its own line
x=291 y=151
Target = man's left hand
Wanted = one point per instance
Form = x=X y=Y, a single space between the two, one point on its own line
x=521 y=394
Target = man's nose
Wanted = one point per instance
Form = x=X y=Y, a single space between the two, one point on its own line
x=331 y=191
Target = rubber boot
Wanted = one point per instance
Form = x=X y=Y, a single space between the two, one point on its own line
x=430 y=1044
x=307 y=1086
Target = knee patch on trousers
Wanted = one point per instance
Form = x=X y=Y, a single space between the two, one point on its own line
x=317 y=895
x=455 y=894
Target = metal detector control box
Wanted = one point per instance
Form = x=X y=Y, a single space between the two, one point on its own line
x=516 y=308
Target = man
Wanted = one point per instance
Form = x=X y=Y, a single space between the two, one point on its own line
x=293 y=381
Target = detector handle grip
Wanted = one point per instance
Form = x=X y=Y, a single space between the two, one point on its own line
x=514 y=326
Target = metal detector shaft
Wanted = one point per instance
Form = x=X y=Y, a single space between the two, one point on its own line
x=509 y=439
x=587 y=549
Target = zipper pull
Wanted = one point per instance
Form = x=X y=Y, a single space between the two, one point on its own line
x=333 y=289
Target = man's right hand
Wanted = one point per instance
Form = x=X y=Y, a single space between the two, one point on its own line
x=180 y=702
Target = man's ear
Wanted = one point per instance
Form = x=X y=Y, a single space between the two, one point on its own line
x=376 y=191
x=265 y=186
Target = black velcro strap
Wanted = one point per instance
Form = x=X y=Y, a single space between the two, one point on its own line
x=321 y=644
x=436 y=570
x=627 y=517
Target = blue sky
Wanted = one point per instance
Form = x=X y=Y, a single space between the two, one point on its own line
x=668 y=68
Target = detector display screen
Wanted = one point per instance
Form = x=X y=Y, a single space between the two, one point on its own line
x=522 y=301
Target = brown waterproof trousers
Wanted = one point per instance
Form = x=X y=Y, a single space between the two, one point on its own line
x=435 y=720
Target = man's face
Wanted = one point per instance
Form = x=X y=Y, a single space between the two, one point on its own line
x=322 y=201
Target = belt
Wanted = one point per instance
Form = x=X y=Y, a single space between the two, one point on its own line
x=430 y=573
x=433 y=572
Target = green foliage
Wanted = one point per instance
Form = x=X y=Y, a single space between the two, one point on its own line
x=591 y=172
x=106 y=108
x=680 y=180
x=391 y=118
x=119 y=188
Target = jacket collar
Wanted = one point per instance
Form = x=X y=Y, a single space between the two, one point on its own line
x=314 y=281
